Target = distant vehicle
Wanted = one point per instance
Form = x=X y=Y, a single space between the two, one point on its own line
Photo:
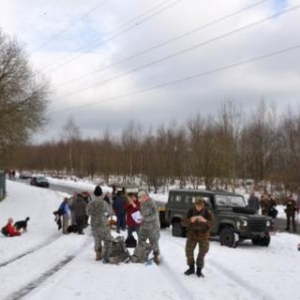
x=25 y=175
x=234 y=221
x=39 y=180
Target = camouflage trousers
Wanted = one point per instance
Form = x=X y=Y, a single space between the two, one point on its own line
x=189 y=251
x=153 y=235
x=105 y=236
x=141 y=252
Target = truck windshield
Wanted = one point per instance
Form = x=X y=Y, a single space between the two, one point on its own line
x=229 y=200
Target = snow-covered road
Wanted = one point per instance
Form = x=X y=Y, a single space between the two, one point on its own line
x=43 y=264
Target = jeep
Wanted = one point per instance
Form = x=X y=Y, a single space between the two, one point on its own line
x=234 y=221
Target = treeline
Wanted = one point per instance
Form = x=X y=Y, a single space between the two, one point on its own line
x=211 y=150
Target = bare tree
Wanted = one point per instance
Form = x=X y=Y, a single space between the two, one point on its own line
x=131 y=137
x=230 y=127
x=71 y=134
x=23 y=95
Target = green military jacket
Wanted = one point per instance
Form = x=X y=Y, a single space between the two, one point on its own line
x=199 y=230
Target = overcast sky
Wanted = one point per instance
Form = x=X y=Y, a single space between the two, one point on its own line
x=155 y=62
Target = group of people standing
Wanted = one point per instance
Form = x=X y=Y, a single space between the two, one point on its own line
x=71 y=215
x=142 y=216
x=268 y=207
x=138 y=212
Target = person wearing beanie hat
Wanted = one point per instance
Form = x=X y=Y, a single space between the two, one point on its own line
x=99 y=211
x=98 y=191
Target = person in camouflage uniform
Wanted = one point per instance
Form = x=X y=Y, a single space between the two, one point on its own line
x=99 y=212
x=199 y=222
x=149 y=228
x=290 y=210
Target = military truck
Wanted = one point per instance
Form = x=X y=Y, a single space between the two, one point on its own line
x=234 y=221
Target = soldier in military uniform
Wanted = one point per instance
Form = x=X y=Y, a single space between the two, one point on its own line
x=290 y=210
x=199 y=222
x=99 y=212
x=149 y=228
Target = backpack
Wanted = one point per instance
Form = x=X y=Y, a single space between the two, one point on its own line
x=119 y=252
x=141 y=253
x=72 y=228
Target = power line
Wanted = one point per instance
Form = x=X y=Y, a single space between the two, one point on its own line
x=192 y=77
x=117 y=32
x=176 y=38
x=70 y=25
x=175 y=54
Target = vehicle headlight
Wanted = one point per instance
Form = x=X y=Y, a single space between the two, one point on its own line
x=268 y=223
x=241 y=224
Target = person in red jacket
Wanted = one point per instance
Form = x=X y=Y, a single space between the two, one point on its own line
x=9 y=229
x=133 y=216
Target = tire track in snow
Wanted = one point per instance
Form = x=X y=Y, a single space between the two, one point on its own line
x=33 y=249
x=30 y=251
x=32 y=285
x=35 y=283
x=258 y=293
x=175 y=281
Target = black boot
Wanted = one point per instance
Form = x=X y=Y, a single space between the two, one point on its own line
x=190 y=270
x=199 y=272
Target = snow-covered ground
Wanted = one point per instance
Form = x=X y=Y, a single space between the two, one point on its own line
x=44 y=264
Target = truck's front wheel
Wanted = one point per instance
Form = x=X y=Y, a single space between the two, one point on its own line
x=227 y=237
x=177 y=229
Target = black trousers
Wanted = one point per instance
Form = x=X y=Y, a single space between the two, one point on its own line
x=80 y=223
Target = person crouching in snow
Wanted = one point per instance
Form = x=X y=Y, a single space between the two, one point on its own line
x=9 y=229
x=199 y=222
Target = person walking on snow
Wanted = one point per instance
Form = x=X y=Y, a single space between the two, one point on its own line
x=99 y=212
x=199 y=222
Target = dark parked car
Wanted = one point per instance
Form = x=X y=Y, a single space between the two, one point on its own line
x=39 y=180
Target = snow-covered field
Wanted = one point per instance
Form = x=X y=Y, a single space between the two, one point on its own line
x=44 y=264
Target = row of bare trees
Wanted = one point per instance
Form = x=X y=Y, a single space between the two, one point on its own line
x=214 y=150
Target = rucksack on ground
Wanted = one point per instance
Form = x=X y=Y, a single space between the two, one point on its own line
x=119 y=252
